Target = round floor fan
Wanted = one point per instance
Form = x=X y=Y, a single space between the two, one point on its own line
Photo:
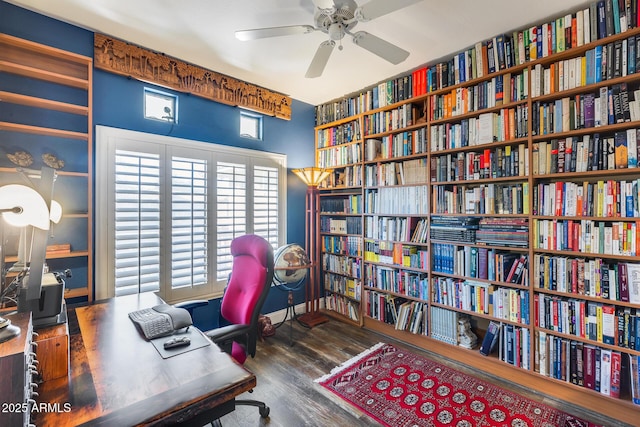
x=337 y=18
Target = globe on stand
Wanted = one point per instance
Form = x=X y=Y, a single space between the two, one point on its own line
x=286 y=259
x=290 y=270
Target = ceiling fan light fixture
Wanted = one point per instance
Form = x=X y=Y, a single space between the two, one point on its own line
x=336 y=31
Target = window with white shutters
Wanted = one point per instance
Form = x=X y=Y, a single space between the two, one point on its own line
x=231 y=193
x=265 y=203
x=167 y=210
x=137 y=222
x=188 y=222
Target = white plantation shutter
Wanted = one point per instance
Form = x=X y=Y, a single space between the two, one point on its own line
x=265 y=203
x=188 y=222
x=167 y=210
x=137 y=225
x=231 y=194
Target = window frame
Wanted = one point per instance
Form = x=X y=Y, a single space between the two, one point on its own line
x=109 y=139
x=246 y=115
x=147 y=91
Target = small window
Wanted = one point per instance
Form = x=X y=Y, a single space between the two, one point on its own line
x=250 y=125
x=160 y=106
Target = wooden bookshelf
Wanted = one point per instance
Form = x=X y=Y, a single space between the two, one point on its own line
x=481 y=132
x=68 y=98
x=341 y=253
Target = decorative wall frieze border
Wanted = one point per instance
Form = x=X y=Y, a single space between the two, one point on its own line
x=126 y=59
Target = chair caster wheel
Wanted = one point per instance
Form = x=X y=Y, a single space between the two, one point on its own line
x=264 y=412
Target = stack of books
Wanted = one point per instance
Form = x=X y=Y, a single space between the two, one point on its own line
x=444 y=325
x=456 y=229
x=513 y=232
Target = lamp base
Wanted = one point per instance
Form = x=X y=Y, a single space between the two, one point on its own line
x=312 y=319
x=7 y=330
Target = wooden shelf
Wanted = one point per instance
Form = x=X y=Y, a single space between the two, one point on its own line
x=15 y=127
x=70 y=71
x=72 y=254
x=341 y=317
x=76 y=292
x=32 y=101
x=48 y=76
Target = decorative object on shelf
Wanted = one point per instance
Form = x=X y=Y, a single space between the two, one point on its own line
x=290 y=270
x=52 y=161
x=21 y=158
x=61 y=248
x=466 y=337
x=337 y=18
x=312 y=176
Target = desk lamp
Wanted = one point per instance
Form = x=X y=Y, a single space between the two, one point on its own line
x=312 y=176
x=20 y=206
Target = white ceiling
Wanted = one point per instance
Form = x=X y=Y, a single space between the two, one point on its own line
x=202 y=32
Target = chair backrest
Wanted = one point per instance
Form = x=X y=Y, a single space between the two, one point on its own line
x=249 y=283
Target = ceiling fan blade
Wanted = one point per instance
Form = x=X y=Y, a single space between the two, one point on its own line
x=320 y=59
x=324 y=4
x=261 y=33
x=376 y=8
x=382 y=48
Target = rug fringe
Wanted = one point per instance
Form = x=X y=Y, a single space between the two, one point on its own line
x=349 y=362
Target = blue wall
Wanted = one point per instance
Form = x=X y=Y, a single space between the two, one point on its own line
x=117 y=102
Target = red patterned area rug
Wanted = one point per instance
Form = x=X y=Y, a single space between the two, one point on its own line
x=398 y=388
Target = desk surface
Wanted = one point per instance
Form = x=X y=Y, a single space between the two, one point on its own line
x=117 y=378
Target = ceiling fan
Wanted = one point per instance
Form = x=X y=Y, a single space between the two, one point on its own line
x=337 y=18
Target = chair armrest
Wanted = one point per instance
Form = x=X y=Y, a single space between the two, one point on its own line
x=192 y=305
x=227 y=333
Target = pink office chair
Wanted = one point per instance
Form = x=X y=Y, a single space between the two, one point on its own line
x=248 y=286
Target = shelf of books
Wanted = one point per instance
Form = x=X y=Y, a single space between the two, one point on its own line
x=341 y=238
x=396 y=254
x=339 y=147
x=500 y=205
x=396 y=261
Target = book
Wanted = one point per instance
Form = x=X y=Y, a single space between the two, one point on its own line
x=605 y=371
x=608 y=324
x=490 y=339
x=589 y=354
x=634 y=378
x=621 y=151
x=632 y=279
x=616 y=374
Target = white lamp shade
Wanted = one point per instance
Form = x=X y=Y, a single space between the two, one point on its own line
x=56 y=211
x=33 y=208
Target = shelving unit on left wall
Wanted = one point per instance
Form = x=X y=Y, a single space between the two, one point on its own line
x=46 y=97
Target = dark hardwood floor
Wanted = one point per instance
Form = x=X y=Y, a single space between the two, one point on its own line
x=286 y=376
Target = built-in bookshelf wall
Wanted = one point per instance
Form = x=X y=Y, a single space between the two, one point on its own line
x=501 y=186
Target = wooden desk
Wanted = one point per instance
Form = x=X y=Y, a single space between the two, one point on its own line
x=117 y=378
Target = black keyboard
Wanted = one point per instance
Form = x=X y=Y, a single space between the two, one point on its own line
x=152 y=323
